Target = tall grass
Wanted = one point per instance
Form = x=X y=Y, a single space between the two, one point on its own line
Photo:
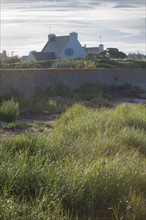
x=55 y=106
x=9 y=110
x=92 y=166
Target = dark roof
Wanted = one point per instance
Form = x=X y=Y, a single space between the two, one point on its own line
x=56 y=44
x=40 y=56
x=92 y=50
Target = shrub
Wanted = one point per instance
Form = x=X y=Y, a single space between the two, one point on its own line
x=9 y=111
x=74 y=63
x=99 y=101
x=54 y=107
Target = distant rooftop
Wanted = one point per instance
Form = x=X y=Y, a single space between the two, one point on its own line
x=40 y=56
x=56 y=44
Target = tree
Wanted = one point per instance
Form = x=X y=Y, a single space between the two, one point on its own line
x=115 y=53
x=136 y=55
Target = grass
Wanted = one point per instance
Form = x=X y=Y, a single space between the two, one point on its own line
x=58 y=99
x=119 y=63
x=56 y=107
x=14 y=126
x=91 y=166
x=33 y=127
x=9 y=111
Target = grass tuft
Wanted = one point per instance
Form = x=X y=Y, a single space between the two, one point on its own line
x=9 y=111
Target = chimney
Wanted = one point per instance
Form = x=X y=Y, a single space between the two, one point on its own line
x=74 y=35
x=51 y=36
x=101 y=47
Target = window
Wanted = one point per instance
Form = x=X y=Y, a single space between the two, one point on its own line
x=69 y=52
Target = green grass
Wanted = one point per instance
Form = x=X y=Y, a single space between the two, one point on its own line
x=91 y=166
x=120 y=63
x=14 y=126
x=58 y=99
x=56 y=107
x=9 y=111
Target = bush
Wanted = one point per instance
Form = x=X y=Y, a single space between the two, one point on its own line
x=67 y=63
x=99 y=101
x=56 y=107
x=74 y=63
x=9 y=111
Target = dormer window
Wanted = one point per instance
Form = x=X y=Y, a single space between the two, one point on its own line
x=69 y=51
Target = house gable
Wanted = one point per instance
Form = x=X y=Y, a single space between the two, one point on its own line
x=56 y=44
x=73 y=48
x=29 y=58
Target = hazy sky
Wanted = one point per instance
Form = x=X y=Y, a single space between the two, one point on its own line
x=25 y=24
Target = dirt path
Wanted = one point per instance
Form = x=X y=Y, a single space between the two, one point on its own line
x=29 y=123
x=127 y=97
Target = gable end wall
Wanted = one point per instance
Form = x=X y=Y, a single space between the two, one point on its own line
x=77 y=48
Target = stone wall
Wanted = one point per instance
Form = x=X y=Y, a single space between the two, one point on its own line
x=29 y=81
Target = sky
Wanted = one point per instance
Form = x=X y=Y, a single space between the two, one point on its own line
x=25 y=24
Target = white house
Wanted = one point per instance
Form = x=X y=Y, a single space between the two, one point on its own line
x=94 y=50
x=65 y=46
x=58 y=47
x=62 y=47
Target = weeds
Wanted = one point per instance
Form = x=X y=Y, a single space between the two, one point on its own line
x=9 y=111
x=14 y=126
x=91 y=166
x=90 y=62
x=56 y=107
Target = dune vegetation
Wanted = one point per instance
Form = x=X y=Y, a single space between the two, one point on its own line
x=91 y=166
x=91 y=62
